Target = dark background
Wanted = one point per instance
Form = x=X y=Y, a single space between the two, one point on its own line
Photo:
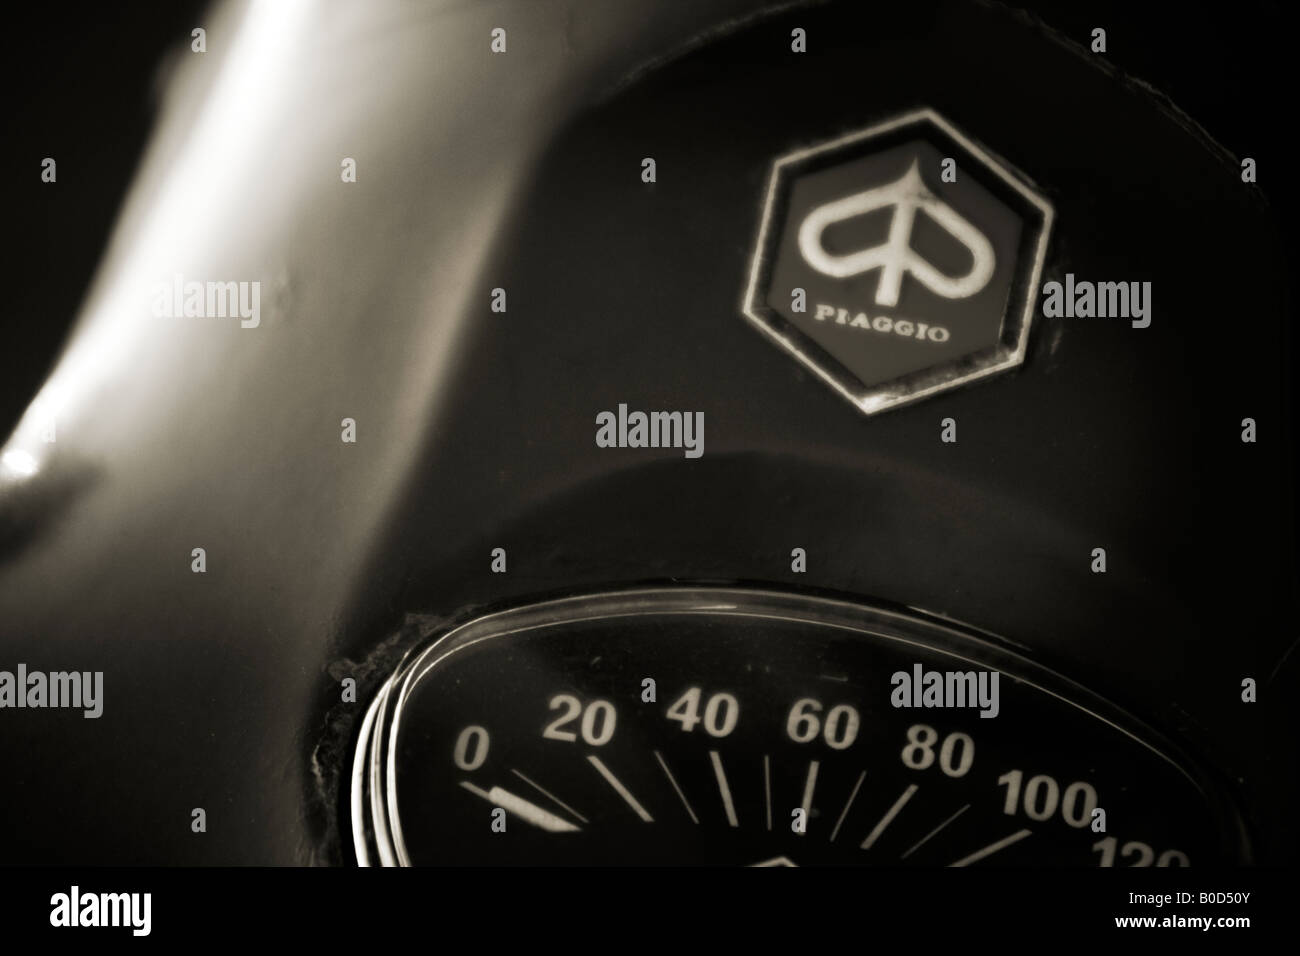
x=82 y=84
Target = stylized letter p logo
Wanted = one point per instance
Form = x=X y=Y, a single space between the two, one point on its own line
x=845 y=220
x=895 y=255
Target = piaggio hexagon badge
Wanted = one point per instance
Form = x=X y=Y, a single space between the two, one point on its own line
x=918 y=255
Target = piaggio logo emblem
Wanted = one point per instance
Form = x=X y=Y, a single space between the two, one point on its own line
x=911 y=284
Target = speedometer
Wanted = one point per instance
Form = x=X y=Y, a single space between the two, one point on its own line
x=739 y=726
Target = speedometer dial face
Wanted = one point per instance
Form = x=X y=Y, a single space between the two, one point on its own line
x=730 y=726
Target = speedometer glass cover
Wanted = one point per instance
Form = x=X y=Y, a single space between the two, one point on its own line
x=695 y=725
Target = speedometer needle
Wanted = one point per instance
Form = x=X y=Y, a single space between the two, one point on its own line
x=524 y=809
